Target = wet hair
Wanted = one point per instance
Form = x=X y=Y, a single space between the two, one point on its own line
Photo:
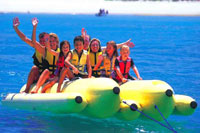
x=78 y=38
x=56 y=37
x=61 y=46
x=95 y=39
x=41 y=35
x=113 y=43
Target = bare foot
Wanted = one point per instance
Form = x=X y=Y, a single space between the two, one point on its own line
x=33 y=92
x=59 y=91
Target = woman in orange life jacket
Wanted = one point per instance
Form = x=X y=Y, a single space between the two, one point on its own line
x=94 y=52
x=64 y=52
x=37 y=68
x=107 y=60
x=50 y=58
x=123 y=63
x=76 y=62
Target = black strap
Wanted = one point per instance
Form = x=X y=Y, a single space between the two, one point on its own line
x=54 y=59
x=95 y=59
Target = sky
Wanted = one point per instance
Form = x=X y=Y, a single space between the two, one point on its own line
x=93 y=6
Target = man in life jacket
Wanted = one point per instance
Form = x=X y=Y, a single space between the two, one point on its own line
x=37 y=68
x=123 y=64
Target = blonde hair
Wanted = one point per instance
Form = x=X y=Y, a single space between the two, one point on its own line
x=56 y=37
x=124 y=47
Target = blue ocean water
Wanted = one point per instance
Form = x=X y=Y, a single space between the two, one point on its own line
x=166 y=48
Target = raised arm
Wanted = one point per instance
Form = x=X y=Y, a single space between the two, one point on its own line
x=136 y=72
x=16 y=23
x=53 y=52
x=86 y=39
x=34 y=23
x=40 y=48
x=128 y=43
x=83 y=32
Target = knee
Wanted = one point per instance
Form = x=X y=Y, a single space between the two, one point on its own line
x=46 y=72
x=34 y=69
x=64 y=70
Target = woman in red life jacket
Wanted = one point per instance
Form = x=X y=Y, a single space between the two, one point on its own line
x=123 y=64
x=64 y=52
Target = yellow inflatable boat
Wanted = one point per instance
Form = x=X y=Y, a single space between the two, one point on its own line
x=103 y=98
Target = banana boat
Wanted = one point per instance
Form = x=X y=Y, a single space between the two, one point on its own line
x=104 y=98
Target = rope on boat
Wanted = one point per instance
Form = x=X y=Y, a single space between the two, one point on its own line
x=156 y=107
x=170 y=128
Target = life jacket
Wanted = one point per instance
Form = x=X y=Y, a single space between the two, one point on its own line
x=124 y=67
x=50 y=61
x=93 y=61
x=38 y=60
x=108 y=65
x=81 y=62
x=59 y=65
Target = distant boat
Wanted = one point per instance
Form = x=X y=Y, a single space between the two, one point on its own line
x=102 y=12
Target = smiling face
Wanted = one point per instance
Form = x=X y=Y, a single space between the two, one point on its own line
x=53 y=43
x=110 y=49
x=95 y=46
x=44 y=39
x=65 y=48
x=78 y=46
x=124 y=52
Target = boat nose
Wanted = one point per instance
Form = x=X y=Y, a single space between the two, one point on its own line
x=193 y=104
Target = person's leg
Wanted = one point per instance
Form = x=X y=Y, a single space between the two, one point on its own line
x=65 y=71
x=33 y=76
x=49 y=84
x=43 y=77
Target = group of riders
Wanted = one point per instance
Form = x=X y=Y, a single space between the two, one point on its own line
x=54 y=63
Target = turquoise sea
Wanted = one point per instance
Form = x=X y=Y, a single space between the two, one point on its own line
x=166 y=48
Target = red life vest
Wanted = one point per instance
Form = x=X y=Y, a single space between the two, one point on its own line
x=124 y=67
x=60 y=64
